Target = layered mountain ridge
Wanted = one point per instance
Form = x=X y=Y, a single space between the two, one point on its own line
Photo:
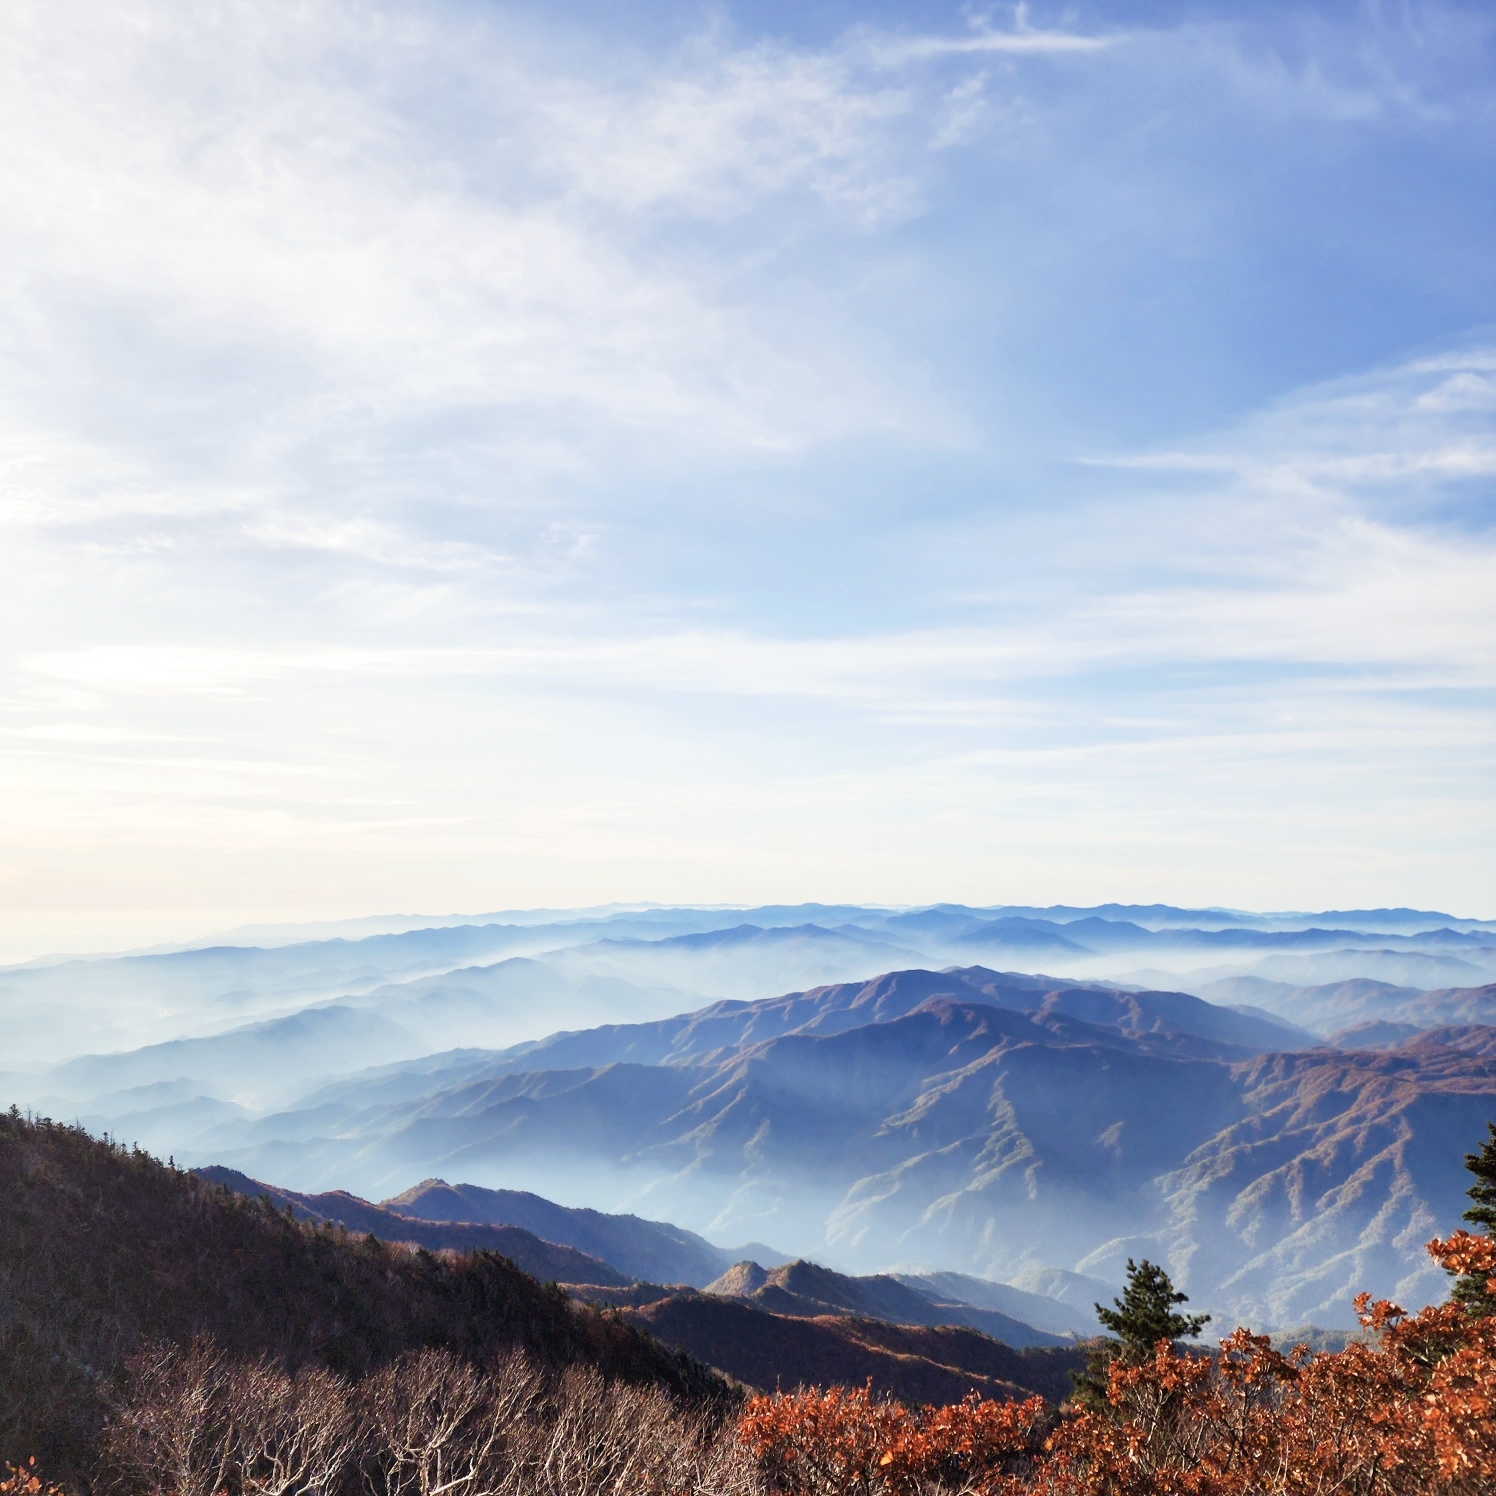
x=473 y=980
x=1275 y=1105
x=789 y=1323
x=916 y=1117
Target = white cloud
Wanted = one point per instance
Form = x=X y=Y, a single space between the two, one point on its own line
x=1288 y=554
x=725 y=131
x=1400 y=435
x=437 y=464
x=985 y=40
x=231 y=256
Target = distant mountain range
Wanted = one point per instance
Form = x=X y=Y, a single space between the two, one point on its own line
x=551 y=1242
x=805 y=1290
x=1051 y=1300
x=549 y=1261
x=649 y=1250
x=972 y=1120
x=1332 y=1007
x=452 y=983
x=1275 y=1105
x=646 y=1261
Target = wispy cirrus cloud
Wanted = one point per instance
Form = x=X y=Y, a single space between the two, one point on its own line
x=618 y=458
x=986 y=40
x=1283 y=554
x=271 y=284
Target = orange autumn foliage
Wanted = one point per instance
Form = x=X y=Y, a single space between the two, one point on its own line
x=25 y=1482
x=1412 y=1411
x=848 y=1443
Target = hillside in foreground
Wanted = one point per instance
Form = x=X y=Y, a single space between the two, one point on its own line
x=793 y=1325
x=103 y=1250
x=159 y=1334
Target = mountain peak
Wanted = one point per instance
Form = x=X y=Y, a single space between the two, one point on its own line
x=740 y=1281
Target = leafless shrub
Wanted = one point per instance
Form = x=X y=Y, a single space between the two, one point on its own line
x=173 y=1429
x=436 y=1426
x=196 y=1423
x=607 y=1439
x=294 y=1436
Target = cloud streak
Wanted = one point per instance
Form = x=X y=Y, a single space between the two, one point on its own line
x=633 y=470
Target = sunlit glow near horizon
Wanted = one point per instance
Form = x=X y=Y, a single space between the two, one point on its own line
x=467 y=456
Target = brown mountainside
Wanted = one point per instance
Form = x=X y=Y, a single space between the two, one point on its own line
x=103 y=1249
x=548 y=1261
x=808 y=1291
x=914 y=1363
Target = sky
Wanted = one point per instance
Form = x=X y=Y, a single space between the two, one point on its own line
x=457 y=456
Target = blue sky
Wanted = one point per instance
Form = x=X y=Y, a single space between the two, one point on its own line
x=464 y=456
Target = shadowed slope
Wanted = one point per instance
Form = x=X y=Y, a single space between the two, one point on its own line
x=102 y=1249
x=549 y=1262
x=913 y=1363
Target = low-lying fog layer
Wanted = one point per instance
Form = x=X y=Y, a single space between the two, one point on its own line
x=966 y=1122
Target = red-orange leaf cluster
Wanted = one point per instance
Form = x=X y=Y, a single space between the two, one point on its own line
x=848 y=1443
x=25 y=1482
x=1411 y=1411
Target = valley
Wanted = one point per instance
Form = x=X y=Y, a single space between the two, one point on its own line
x=768 y=1077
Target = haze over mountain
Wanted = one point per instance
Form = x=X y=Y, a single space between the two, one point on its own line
x=895 y=1122
x=934 y=1114
x=496 y=979
x=897 y=1332
x=509 y=457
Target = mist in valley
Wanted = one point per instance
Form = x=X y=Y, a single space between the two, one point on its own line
x=629 y=1061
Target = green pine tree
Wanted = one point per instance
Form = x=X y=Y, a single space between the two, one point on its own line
x=1471 y=1290
x=1143 y=1316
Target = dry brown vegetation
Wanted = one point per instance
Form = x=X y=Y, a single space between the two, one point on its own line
x=164 y=1339
x=104 y=1250
x=197 y=1422
x=1412 y=1412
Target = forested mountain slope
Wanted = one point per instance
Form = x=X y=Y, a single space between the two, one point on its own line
x=103 y=1249
x=546 y=1261
x=655 y=1251
x=914 y=1362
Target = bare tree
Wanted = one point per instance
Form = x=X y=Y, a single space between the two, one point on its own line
x=437 y=1426
x=294 y=1436
x=611 y=1439
x=196 y=1423
x=174 y=1429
